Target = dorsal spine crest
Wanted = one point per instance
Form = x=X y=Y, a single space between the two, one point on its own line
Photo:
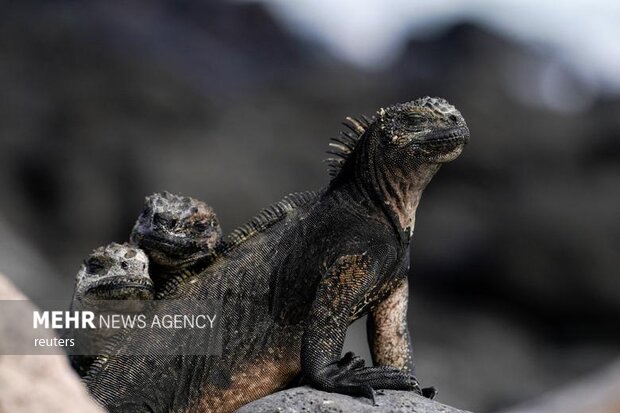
x=267 y=217
x=342 y=146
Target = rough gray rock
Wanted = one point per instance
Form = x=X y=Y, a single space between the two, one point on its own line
x=306 y=399
x=43 y=384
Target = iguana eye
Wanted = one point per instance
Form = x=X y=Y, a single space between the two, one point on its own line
x=201 y=226
x=164 y=221
x=158 y=219
x=94 y=266
x=416 y=117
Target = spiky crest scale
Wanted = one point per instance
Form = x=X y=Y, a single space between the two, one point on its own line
x=342 y=146
x=267 y=217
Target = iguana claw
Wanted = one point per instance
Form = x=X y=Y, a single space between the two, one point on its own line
x=429 y=392
x=350 y=376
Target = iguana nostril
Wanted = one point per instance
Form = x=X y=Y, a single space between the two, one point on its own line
x=124 y=265
x=453 y=118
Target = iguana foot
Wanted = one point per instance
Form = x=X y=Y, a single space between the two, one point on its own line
x=429 y=392
x=350 y=376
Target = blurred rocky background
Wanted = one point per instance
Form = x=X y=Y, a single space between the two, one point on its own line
x=516 y=255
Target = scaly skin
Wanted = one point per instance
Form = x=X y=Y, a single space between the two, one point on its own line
x=113 y=272
x=293 y=280
x=176 y=231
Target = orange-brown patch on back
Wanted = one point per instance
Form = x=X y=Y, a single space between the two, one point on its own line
x=350 y=271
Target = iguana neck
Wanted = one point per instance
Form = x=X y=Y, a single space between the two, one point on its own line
x=401 y=192
x=396 y=193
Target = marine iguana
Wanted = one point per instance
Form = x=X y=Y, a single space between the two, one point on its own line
x=293 y=279
x=98 y=276
x=175 y=232
x=113 y=272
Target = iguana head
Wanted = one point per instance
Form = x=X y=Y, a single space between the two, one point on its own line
x=115 y=272
x=427 y=130
x=396 y=153
x=176 y=230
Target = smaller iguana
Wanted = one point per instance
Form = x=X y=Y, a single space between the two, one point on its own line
x=113 y=272
x=175 y=232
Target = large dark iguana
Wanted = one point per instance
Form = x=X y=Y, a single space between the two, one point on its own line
x=294 y=279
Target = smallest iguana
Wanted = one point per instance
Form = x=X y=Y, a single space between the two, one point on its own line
x=113 y=272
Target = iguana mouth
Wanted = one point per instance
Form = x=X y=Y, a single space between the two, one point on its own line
x=106 y=286
x=175 y=260
x=170 y=247
x=442 y=137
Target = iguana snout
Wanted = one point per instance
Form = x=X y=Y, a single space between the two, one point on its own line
x=115 y=272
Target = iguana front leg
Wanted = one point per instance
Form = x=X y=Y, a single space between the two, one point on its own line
x=388 y=335
x=340 y=290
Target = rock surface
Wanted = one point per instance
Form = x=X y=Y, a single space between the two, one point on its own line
x=42 y=384
x=306 y=399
